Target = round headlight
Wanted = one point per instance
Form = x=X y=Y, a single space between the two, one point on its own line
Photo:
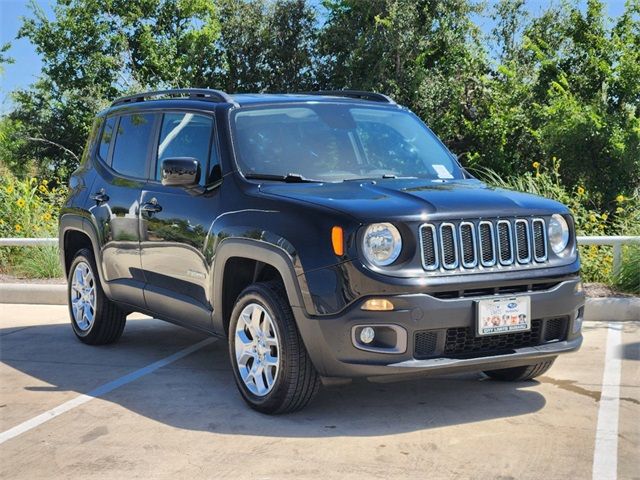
x=558 y=232
x=381 y=244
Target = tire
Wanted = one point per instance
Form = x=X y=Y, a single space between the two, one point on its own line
x=521 y=374
x=269 y=349
x=95 y=319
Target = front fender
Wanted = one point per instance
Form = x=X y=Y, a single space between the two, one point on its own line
x=263 y=252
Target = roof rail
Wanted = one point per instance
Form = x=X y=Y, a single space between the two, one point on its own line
x=190 y=93
x=372 y=96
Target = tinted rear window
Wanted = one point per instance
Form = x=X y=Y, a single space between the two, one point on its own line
x=132 y=143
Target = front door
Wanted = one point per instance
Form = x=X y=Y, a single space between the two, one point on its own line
x=174 y=224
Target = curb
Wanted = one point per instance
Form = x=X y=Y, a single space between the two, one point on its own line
x=612 y=309
x=596 y=309
x=33 y=293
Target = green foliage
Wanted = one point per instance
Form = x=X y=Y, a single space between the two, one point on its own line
x=38 y=262
x=29 y=208
x=597 y=260
x=628 y=280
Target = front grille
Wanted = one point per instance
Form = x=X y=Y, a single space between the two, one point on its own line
x=462 y=342
x=467 y=244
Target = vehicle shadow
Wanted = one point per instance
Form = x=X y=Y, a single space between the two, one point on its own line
x=198 y=391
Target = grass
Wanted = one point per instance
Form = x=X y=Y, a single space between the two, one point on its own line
x=628 y=280
x=37 y=262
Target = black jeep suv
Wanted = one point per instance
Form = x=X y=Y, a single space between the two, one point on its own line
x=327 y=235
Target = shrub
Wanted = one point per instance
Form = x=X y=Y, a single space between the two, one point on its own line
x=628 y=279
x=623 y=218
x=29 y=208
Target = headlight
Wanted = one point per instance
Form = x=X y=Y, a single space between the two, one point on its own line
x=381 y=244
x=558 y=232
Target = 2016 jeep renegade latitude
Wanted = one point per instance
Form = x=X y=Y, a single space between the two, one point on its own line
x=327 y=235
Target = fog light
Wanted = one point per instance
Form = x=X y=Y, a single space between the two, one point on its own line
x=367 y=335
x=377 y=304
x=579 y=288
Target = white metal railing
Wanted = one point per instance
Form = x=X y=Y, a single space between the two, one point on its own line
x=615 y=241
x=27 y=242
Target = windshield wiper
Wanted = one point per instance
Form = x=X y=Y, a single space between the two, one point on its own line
x=385 y=176
x=288 y=178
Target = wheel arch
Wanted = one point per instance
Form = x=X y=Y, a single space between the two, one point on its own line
x=76 y=232
x=240 y=262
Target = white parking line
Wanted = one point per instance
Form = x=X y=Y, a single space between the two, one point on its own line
x=100 y=391
x=605 y=455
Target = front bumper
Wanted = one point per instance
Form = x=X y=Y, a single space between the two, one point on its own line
x=332 y=350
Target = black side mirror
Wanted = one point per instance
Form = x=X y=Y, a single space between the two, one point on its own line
x=180 y=172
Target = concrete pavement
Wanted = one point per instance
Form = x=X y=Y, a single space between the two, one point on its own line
x=185 y=419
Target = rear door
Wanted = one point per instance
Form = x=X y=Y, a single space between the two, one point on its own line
x=123 y=169
x=175 y=223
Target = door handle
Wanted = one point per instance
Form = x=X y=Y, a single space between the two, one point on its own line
x=100 y=196
x=151 y=206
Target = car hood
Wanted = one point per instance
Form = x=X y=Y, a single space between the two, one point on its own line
x=415 y=199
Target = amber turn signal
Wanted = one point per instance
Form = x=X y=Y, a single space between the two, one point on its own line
x=377 y=304
x=337 y=240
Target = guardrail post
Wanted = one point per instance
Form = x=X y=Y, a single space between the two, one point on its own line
x=617 y=259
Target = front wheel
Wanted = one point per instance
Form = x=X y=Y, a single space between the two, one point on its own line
x=270 y=363
x=521 y=374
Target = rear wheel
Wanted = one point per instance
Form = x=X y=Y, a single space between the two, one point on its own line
x=270 y=362
x=521 y=374
x=95 y=319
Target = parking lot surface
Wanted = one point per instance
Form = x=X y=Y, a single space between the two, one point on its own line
x=160 y=407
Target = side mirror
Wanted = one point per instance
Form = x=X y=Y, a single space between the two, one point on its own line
x=180 y=172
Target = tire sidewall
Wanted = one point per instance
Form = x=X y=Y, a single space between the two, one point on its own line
x=85 y=256
x=260 y=295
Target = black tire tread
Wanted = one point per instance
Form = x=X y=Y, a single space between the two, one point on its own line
x=521 y=374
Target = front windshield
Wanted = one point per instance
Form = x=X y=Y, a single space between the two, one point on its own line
x=334 y=142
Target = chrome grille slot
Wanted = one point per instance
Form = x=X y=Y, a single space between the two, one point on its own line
x=522 y=241
x=448 y=246
x=505 y=243
x=468 y=245
x=539 y=240
x=429 y=247
x=487 y=244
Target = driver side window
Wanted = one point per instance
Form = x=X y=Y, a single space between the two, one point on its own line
x=187 y=135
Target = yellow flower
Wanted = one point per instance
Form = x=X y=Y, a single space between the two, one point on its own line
x=580 y=191
x=36 y=228
x=9 y=189
x=1 y=221
x=592 y=218
x=619 y=210
x=46 y=217
x=45 y=182
x=21 y=203
x=42 y=189
x=18 y=227
x=620 y=198
x=33 y=180
x=605 y=216
x=554 y=159
x=536 y=165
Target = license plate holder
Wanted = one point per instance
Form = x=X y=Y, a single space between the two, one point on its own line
x=498 y=316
